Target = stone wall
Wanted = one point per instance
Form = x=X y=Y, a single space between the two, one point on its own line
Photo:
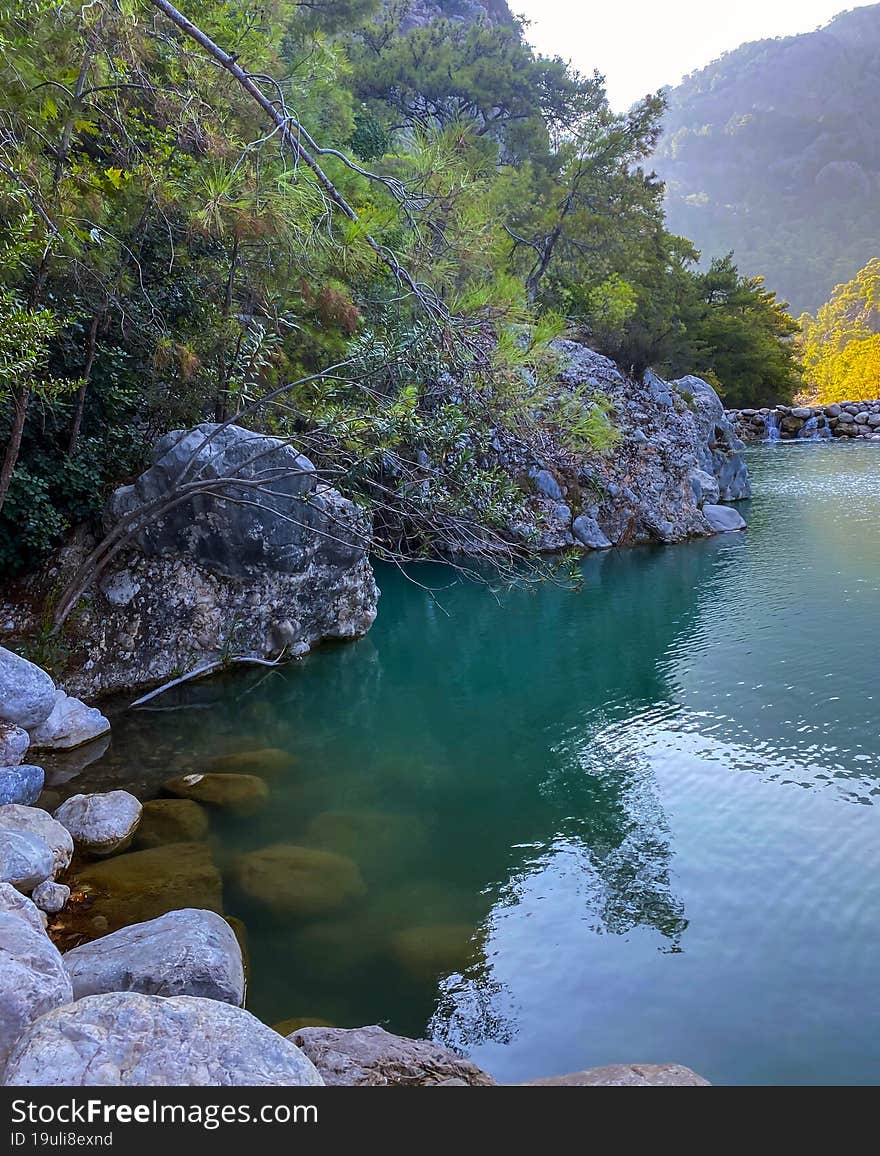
x=846 y=419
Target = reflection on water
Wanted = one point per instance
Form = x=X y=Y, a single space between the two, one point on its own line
x=616 y=824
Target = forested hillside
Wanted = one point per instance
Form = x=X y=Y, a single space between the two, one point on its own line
x=354 y=225
x=774 y=151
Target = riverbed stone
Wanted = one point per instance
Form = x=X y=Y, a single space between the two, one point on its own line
x=240 y=793
x=434 y=949
x=14 y=742
x=723 y=519
x=126 y=1039
x=589 y=533
x=102 y=823
x=380 y=842
x=21 y=784
x=185 y=952
x=35 y=821
x=171 y=821
x=625 y=1076
x=259 y=761
x=297 y=880
x=142 y=885
x=32 y=976
x=27 y=693
x=25 y=859
x=372 y=1057
x=70 y=724
x=51 y=897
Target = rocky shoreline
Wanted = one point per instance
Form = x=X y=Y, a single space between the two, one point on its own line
x=846 y=419
x=268 y=561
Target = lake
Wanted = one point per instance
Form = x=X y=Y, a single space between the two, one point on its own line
x=628 y=822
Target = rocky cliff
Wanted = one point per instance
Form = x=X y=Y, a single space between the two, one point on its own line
x=247 y=553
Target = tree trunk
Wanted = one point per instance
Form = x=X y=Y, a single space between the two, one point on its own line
x=91 y=347
x=10 y=460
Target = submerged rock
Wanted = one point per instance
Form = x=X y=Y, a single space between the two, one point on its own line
x=35 y=821
x=126 y=1039
x=14 y=743
x=141 y=885
x=288 y=1027
x=298 y=880
x=241 y=793
x=71 y=724
x=32 y=976
x=27 y=693
x=171 y=821
x=185 y=952
x=263 y=761
x=434 y=949
x=21 y=784
x=372 y=1057
x=625 y=1076
x=25 y=859
x=101 y=824
x=724 y=519
x=380 y=842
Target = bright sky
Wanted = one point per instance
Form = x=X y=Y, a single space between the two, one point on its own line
x=641 y=45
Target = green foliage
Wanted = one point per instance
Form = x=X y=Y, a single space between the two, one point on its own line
x=164 y=261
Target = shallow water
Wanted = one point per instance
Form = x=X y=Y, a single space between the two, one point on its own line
x=632 y=822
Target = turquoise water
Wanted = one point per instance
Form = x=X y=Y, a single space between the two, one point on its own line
x=629 y=822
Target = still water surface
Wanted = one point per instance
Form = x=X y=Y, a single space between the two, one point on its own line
x=632 y=822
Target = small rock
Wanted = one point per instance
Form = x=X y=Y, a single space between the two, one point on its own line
x=723 y=519
x=588 y=533
x=240 y=793
x=35 y=821
x=625 y=1076
x=21 y=784
x=298 y=880
x=264 y=761
x=27 y=694
x=32 y=976
x=171 y=821
x=121 y=588
x=25 y=859
x=101 y=824
x=125 y=1039
x=71 y=724
x=547 y=485
x=185 y=952
x=14 y=743
x=372 y=1057
x=51 y=897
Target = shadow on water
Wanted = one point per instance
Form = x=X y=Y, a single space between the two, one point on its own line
x=579 y=817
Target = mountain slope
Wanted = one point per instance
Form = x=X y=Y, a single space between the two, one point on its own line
x=774 y=151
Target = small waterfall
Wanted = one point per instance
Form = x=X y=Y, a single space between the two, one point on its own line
x=771 y=427
x=815 y=429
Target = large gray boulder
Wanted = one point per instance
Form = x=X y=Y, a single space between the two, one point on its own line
x=125 y=1039
x=187 y=952
x=724 y=519
x=25 y=859
x=21 y=784
x=70 y=724
x=35 y=821
x=625 y=1076
x=372 y=1057
x=32 y=977
x=588 y=533
x=27 y=693
x=14 y=743
x=101 y=824
x=269 y=561
x=280 y=517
